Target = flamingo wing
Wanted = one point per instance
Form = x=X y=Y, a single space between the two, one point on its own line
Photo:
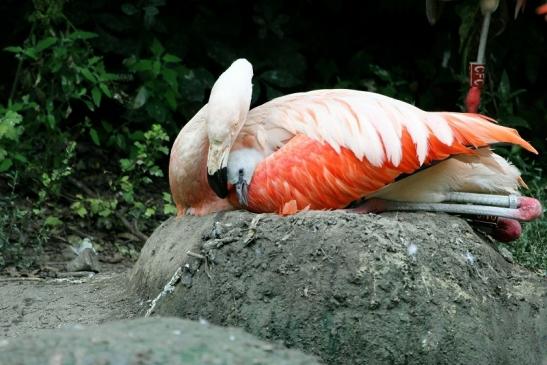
x=347 y=144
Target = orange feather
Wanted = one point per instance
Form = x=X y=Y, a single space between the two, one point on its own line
x=306 y=173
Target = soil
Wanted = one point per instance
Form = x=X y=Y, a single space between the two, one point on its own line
x=414 y=288
x=31 y=305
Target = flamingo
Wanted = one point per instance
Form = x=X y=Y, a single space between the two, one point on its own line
x=542 y=10
x=325 y=149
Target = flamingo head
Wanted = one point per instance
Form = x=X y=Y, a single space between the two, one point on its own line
x=241 y=167
x=227 y=110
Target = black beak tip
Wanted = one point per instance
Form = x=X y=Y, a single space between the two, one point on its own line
x=219 y=182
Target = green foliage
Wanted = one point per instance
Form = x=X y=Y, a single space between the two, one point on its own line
x=60 y=74
x=140 y=170
x=23 y=232
x=10 y=131
x=142 y=163
x=531 y=248
x=160 y=77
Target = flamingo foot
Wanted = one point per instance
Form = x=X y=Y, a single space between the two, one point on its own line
x=501 y=229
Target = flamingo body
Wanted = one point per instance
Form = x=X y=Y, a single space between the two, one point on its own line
x=324 y=149
x=348 y=144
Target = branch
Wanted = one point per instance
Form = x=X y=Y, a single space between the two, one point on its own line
x=134 y=230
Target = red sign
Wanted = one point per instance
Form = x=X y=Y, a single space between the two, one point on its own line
x=476 y=74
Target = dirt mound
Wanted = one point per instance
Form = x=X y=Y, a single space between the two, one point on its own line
x=147 y=341
x=412 y=288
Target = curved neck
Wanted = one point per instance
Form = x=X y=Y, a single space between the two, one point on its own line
x=187 y=164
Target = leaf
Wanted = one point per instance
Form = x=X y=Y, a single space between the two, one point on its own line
x=94 y=136
x=280 y=78
x=171 y=77
x=93 y=60
x=272 y=93
x=169 y=209
x=157 y=111
x=80 y=34
x=467 y=13
x=53 y=221
x=167 y=198
x=504 y=86
x=156 y=68
x=107 y=126
x=9 y=125
x=13 y=49
x=149 y=212
x=156 y=48
x=45 y=44
x=88 y=75
x=516 y=122
x=171 y=99
x=105 y=89
x=31 y=53
x=5 y=164
x=142 y=65
x=141 y=98
x=150 y=13
x=129 y=9
x=381 y=73
x=50 y=119
x=89 y=105
x=79 y=209
x=96 y=95
x=19 y=157
x=170 y=58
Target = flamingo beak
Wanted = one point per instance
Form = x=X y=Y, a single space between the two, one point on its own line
x=217 y=170
x=242 y=190
x=219 y=182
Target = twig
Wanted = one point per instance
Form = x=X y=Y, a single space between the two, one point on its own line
x=218 y=243
x=252 y=230
x=134 y=230
x=75 y=274
x=82 y=186
x=18 y=71
x=196 y=255
x=207 y=270
x=76 y=230
x=167 y=289
x=21 y=279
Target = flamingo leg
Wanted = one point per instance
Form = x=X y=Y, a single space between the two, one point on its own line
x=519 y=208
x=498 y=215
x=505 y=201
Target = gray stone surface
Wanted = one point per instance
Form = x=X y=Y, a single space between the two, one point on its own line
x=158 y=341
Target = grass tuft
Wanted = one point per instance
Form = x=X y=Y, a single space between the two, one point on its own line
x=530 y=250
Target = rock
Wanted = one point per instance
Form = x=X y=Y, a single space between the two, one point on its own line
x=146 y=341
x=413 y=288
x=85 y=261
x=506 y=254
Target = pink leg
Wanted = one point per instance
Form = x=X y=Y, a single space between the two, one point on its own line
x=527 y=209
x=506 y=212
